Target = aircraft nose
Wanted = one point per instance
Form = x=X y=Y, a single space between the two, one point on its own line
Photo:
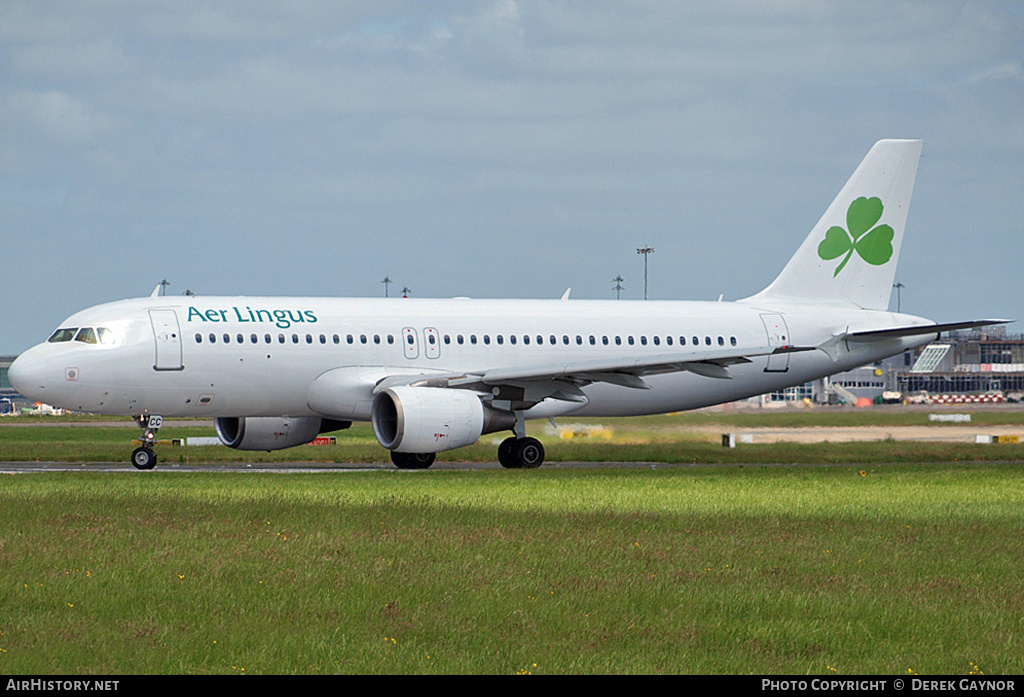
x=27 y=375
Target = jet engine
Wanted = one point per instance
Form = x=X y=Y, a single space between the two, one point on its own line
x=272 y=432
x=432 y=419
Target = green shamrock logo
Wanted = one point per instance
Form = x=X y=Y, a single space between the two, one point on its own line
x=874 y=247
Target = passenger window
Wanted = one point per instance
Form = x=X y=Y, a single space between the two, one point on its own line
x=732 y=340
x=227 y=338
x=213 y=338
x=501 y=339
x=254 y=339
x=241 y=339
x=199 y=338
x=62 y=335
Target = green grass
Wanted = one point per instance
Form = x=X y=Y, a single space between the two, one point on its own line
x=679 y=438
x=726 y=569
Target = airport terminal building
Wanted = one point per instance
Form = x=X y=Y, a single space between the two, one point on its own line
x=975 y=363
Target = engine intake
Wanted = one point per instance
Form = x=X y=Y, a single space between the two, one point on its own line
x=433 y=419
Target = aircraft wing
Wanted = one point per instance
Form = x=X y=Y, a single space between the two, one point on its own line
x=533 y=383
x=630 y=372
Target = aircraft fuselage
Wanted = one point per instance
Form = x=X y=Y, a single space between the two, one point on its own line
x=241 y=356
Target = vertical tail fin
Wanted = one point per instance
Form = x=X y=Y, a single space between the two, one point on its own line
x=850 y=255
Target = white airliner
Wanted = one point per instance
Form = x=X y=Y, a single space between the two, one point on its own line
x=436 y=374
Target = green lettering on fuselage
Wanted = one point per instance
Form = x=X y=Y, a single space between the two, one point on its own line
x=282 y=319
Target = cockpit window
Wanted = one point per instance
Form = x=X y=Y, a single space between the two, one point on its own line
x=86 y=336
x=106 y=335
x=61 y=335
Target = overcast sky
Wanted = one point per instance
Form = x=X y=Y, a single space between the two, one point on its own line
x=495 y=148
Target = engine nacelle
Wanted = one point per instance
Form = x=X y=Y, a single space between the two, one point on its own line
x=272 y=432
x=432 y=419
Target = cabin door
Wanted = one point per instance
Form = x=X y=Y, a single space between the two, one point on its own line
x=168 y=340
x=778 y=336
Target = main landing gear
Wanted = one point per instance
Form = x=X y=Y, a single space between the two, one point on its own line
x=520 y=453
x=513 y=453
x=412 y=461
x=143 y=457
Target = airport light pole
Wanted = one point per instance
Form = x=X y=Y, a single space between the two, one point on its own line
x=898 y=286
x=646 y=251
x=387 y=282
x=618 y=287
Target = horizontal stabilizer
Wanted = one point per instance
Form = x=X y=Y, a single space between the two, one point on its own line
x=919 y=329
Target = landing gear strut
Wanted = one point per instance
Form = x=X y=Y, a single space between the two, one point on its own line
x=144 y=458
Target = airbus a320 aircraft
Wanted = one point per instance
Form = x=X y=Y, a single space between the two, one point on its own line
x=436 y=374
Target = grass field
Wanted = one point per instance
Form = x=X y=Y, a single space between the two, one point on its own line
x=727 y=569
x=693 y=437
x=903 y=558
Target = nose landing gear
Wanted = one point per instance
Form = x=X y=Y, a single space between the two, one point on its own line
x=143 y=457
